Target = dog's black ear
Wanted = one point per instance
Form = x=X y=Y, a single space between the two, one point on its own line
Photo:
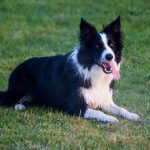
x=87 y=31
x=85 y=26
x=114 y=27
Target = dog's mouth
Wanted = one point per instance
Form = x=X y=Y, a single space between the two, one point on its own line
x=105 y=66
x=108 y=68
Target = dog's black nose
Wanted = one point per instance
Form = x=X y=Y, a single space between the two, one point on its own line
x=109 y=57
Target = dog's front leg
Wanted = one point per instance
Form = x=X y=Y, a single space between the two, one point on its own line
x=116 y=110
x=98 y=115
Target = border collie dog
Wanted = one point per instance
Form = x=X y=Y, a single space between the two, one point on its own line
x=78 y=83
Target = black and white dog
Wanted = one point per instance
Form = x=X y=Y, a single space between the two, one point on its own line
x=78 y=83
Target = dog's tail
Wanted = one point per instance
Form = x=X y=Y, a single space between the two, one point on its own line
x=5 y=98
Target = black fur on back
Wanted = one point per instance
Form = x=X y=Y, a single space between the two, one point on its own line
x=49 y=81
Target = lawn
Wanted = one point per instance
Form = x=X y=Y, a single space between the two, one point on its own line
x=45 y=27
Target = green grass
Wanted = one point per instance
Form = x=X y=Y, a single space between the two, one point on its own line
x=43 y=28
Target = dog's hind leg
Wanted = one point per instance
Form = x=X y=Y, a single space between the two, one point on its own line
x=18 y=86
x=8 y=98
x=116 y=110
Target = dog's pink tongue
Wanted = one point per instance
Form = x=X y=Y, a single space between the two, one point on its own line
x=115 y=72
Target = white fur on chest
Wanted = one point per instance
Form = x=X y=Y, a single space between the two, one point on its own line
x=100 y=94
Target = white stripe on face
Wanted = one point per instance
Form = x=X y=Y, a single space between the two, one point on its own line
x=107 y=49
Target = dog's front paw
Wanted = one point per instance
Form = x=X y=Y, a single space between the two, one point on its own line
x=132 y=116
x=110 y=119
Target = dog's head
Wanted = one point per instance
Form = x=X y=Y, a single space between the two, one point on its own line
x=101 y=48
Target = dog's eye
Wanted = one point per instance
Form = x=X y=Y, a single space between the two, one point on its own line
x=110 y=43
x=98 y=45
